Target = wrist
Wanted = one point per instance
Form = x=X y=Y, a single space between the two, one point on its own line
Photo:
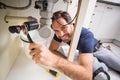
x=60 y=62
x=56 y=61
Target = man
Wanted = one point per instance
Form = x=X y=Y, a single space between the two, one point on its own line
x=87 y=45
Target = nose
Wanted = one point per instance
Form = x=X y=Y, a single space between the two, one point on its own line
x=61 y=33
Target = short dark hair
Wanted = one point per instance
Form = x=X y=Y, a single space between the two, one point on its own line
x=63 y=14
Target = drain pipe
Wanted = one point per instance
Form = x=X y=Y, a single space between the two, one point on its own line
x=45 y=7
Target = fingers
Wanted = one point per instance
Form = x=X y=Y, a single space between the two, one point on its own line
x=32 y=53
x=32 y=46
x=38 y=52
x=35 y=51
x=35 y=57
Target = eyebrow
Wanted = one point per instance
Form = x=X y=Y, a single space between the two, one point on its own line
x=62 y=25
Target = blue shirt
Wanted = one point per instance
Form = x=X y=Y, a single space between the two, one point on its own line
x=86 y=43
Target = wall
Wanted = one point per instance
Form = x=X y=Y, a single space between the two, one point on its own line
x=105 y=21
x=10 y=44
x=7 y=53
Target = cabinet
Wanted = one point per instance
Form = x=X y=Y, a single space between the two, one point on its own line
x=105 y=21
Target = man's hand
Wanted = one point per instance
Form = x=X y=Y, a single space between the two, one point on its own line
x=42 y=55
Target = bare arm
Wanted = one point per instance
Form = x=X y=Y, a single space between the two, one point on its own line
x=54 y=46
x=81 y=71
x=73 y=70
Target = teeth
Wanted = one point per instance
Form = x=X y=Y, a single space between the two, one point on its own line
x=64 y=37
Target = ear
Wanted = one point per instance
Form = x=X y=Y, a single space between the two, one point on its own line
x=51 y=26
x=73 y=24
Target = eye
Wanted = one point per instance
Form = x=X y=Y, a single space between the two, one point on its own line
x=56 y=31
x=64 y=27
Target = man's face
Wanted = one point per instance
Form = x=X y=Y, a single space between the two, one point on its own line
x=62 y=32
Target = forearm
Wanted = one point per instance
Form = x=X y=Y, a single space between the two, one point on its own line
x=58 y=54
x=74 y=71
x=81 y=71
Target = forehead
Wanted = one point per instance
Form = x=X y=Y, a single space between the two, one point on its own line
x=59 y=22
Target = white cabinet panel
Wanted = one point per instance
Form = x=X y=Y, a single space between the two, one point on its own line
x=105 y=22
x=97 y=14
x=99 y=7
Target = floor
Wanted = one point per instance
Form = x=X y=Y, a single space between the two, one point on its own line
x=25 y=69
x=116 y=50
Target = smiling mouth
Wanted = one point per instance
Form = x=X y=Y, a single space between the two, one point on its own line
x=65 y=38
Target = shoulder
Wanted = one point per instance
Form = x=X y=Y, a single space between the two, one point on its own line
x=87 y=41
x=86 y=36
x=85 y=32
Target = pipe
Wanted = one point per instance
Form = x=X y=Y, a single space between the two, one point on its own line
x=45 y=19
x=18 y=19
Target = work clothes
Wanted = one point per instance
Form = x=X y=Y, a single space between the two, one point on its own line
x=103 y=58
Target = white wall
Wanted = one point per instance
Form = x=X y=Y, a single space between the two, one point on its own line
x=105 y=21
x=8 y=47
x=10 y=44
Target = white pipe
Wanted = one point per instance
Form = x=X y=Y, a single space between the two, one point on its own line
x=45 y=20
x=18 y=19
